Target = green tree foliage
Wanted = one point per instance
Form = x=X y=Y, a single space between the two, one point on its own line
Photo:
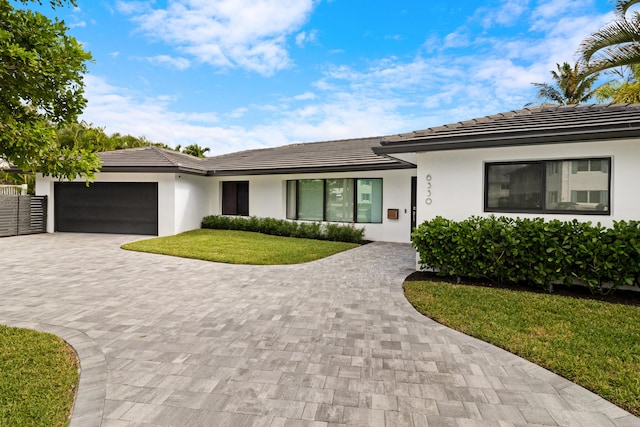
x=194 y=150
x=624 y=88
x=616 y=44
x=41 y=87
x=86 y=136
x=570 y=86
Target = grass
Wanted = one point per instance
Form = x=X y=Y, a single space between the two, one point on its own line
x=38 y=377
x=592 y=343
x=240 y=247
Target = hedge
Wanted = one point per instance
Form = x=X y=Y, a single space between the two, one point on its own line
x=507 y=250
x=281 y=227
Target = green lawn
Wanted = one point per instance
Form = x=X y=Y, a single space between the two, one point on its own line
x=38 y=376
x=592 y=343
x=240 y=247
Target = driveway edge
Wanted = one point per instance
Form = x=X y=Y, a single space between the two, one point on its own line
x=91 y=393
x=571 y=391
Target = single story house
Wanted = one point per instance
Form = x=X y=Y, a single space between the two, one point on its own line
x=553 y=161
x=155 y=191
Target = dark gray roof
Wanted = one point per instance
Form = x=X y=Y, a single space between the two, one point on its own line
x=151 y=159
x=537 y=125
x=327 y=156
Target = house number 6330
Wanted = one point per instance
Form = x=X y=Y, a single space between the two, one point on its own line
x=428 y=200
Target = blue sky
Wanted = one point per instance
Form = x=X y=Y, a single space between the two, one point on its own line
x=239 y=74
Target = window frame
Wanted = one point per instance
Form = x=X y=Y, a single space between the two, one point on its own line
x=354 y=218
x=543 y=179
x=238 y=203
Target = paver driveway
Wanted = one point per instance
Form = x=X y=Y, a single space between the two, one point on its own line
x=170 y=341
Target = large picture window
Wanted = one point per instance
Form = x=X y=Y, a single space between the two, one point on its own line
x=335 y=200
x=556 y=186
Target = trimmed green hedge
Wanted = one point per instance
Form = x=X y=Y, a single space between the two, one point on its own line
x=281 y=227
x=507 y=250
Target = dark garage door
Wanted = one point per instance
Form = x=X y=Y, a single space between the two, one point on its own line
x=107 y=207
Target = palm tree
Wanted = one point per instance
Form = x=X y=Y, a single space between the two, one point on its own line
x=570 y=86
x=616 y=44
x=195 y=150
x=624 y=88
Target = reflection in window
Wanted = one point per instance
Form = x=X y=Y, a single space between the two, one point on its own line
x=339 y=201
x=554 y=186
x=515 y=186
x=580 y=185
x=369 y=200
x=336 y=200
x=310 y=200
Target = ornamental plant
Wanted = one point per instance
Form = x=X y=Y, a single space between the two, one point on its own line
x=532 y=251
x=280 y=227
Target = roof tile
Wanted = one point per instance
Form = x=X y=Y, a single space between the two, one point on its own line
x=548 y=123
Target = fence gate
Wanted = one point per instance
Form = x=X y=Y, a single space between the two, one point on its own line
x=22 y=215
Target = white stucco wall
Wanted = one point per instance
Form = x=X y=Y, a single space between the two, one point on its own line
x=267 y=198
x=167 y=217
x=457 y=188
x=192 y=201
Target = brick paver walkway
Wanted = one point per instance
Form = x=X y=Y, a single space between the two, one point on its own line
x=169 y=341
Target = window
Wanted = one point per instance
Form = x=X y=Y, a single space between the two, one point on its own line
x=335 y=200
x=235 y=198
x=310 y=199
x=369 y=198
x=339 y=200
x=558 y=186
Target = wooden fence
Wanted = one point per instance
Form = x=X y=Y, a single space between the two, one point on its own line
x=22 y=215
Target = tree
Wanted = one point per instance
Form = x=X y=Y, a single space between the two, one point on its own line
x=616 y=44
x=85 y=135
x=194 y=150
x=624 y=89
x=570 y=86
x=41 y=88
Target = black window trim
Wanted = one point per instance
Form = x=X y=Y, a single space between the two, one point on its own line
x=237 y=204
x=543 y=169
x=324 y=199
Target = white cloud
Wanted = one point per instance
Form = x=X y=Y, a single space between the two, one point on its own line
x=458 y=38
x=505 y=15
x=510 y=11
x=178 y=63
x=550 y=9
x=250 y=34
x=395 y=94
x=305 y=96
x=78 y=24
x=305 y=38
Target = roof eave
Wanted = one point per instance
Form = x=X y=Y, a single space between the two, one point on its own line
x=152 y=169
x=303 y=170
x=505 y=140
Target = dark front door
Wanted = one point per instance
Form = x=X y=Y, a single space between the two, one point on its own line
x=414 y=202
x=106 y=207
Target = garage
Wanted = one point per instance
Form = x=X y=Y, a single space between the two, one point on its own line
x=106 y=207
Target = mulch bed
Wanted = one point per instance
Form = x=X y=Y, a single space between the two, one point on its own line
x=576 y=291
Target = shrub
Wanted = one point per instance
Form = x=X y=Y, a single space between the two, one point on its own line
x=533 y=251
x=280 y=227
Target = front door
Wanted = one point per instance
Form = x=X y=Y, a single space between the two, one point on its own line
x=414 y=202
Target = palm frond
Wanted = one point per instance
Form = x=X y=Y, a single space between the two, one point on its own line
x=549 y=93
x=623 y=6
x=615 y=56
x=616 y=33
x=627 y=94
